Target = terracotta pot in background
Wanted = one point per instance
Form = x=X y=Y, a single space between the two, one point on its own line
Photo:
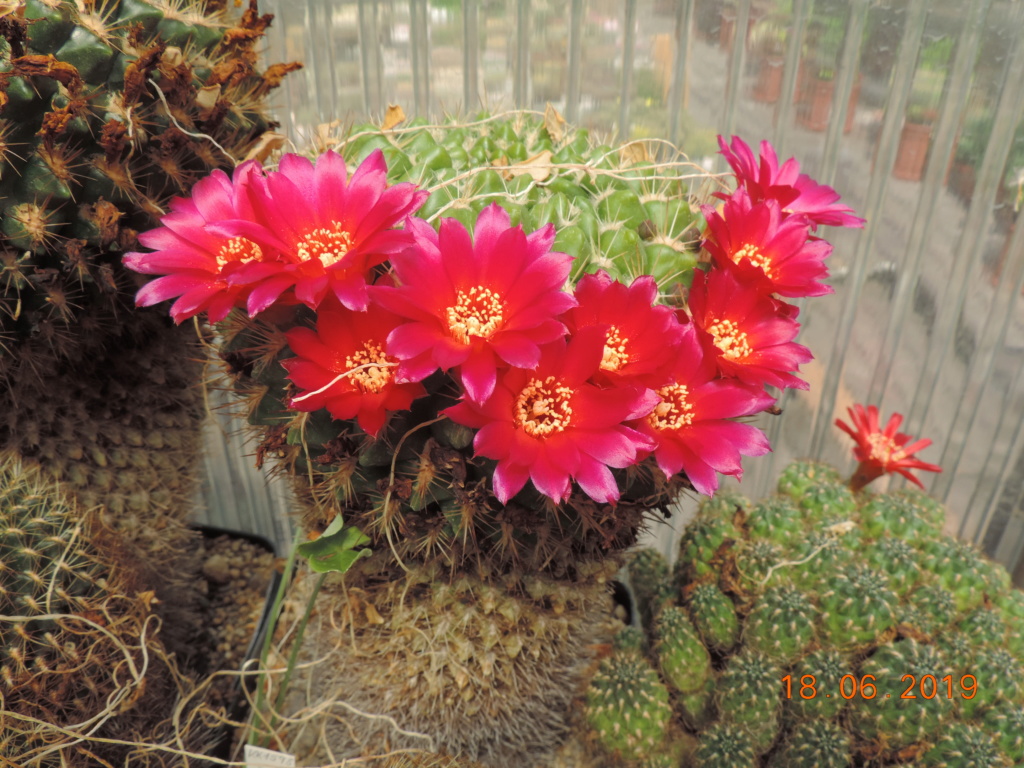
x=768 y=86
x=912 y=151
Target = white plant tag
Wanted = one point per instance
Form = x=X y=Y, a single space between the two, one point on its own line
x=258 y=757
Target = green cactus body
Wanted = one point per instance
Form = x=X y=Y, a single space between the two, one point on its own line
x=800 y=475
x=755 y=563
x=1011 y=607
x=749 y=694
x=900 y=516
x=684 y=659
x=928 y=509
x=723 y=506
x=726 y=746
x=960 y=569
x=89 y=153
x=1005 y=724
x=627 y=706
x=897 y=560
x=999 y=677
x=698 y=708
x=816 y=674
x=781 y=625
x=985 y=626
x=776 y=519
x=964 y=746
x=826 y=502
x=928 y=609
x=701 y=542
x=814 y=744
x=812 y=561
x=909 y=702
x=649 y=577
x=714 y=615
x=857 y=608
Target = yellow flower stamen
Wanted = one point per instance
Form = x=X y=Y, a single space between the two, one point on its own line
x=543 y=407
x=329 y=245
x=674 y=411
x=377 y=372
x=730 y=339
x=615 y=355
x=238 y=249
x=755 y=256
x=476 y=312
x=884 y=449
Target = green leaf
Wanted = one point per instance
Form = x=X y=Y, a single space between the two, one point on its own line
x=335 y=550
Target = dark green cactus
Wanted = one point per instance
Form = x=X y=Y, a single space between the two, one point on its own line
x=814 y=744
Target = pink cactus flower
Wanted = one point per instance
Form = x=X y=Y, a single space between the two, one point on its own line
x=342 y=366
x=476 y=303
x=766 y=249
x=692 y=425
x=551 y=426
x=797 y=193
x=749 y=335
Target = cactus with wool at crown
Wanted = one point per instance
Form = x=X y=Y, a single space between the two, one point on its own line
x=926 y=635
x=97 y=104
x=487 y=664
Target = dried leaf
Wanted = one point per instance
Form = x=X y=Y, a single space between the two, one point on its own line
x=635 y=152
x=538 y=166
x=172 y=57
x=372 y=616
x=554 y=123
x=206 y=100
x=267 y=143
x=393 y=117
x=324 y=135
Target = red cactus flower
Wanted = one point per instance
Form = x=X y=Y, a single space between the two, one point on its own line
x=328 y=230
x=765 y=248
x=641 y=339
x=197 y=264
x=551 y=426
x=692 y=424
x=474 y=303
x=797 y=193
x=342 y=366
x=882 y=451
x=748 y=334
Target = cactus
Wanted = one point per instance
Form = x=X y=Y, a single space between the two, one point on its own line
x=714 y=616
x=888 y=718
x=648 y=576
x=864 y=653
x=488 y=664
x=781 y=625
x=964 y=746
x=825 y=502
x=776 y=519
x=723 y=506
x=627 y=706
x=801 y=475
x=726 y=746
x=857 y=607
x=100 y=104
x=700 y=546
x=75 y=636
x=814 y=744
x=749 y=695
x=684 y=660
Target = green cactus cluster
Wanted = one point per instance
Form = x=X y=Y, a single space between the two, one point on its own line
x=420 y=490
x=108 y=110
x=839 y=631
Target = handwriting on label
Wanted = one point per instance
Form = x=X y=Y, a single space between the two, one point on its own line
x=258 y=757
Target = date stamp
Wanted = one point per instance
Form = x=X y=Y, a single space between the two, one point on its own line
x=866 y=687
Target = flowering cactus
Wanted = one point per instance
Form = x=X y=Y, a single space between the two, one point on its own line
x=551 y=406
